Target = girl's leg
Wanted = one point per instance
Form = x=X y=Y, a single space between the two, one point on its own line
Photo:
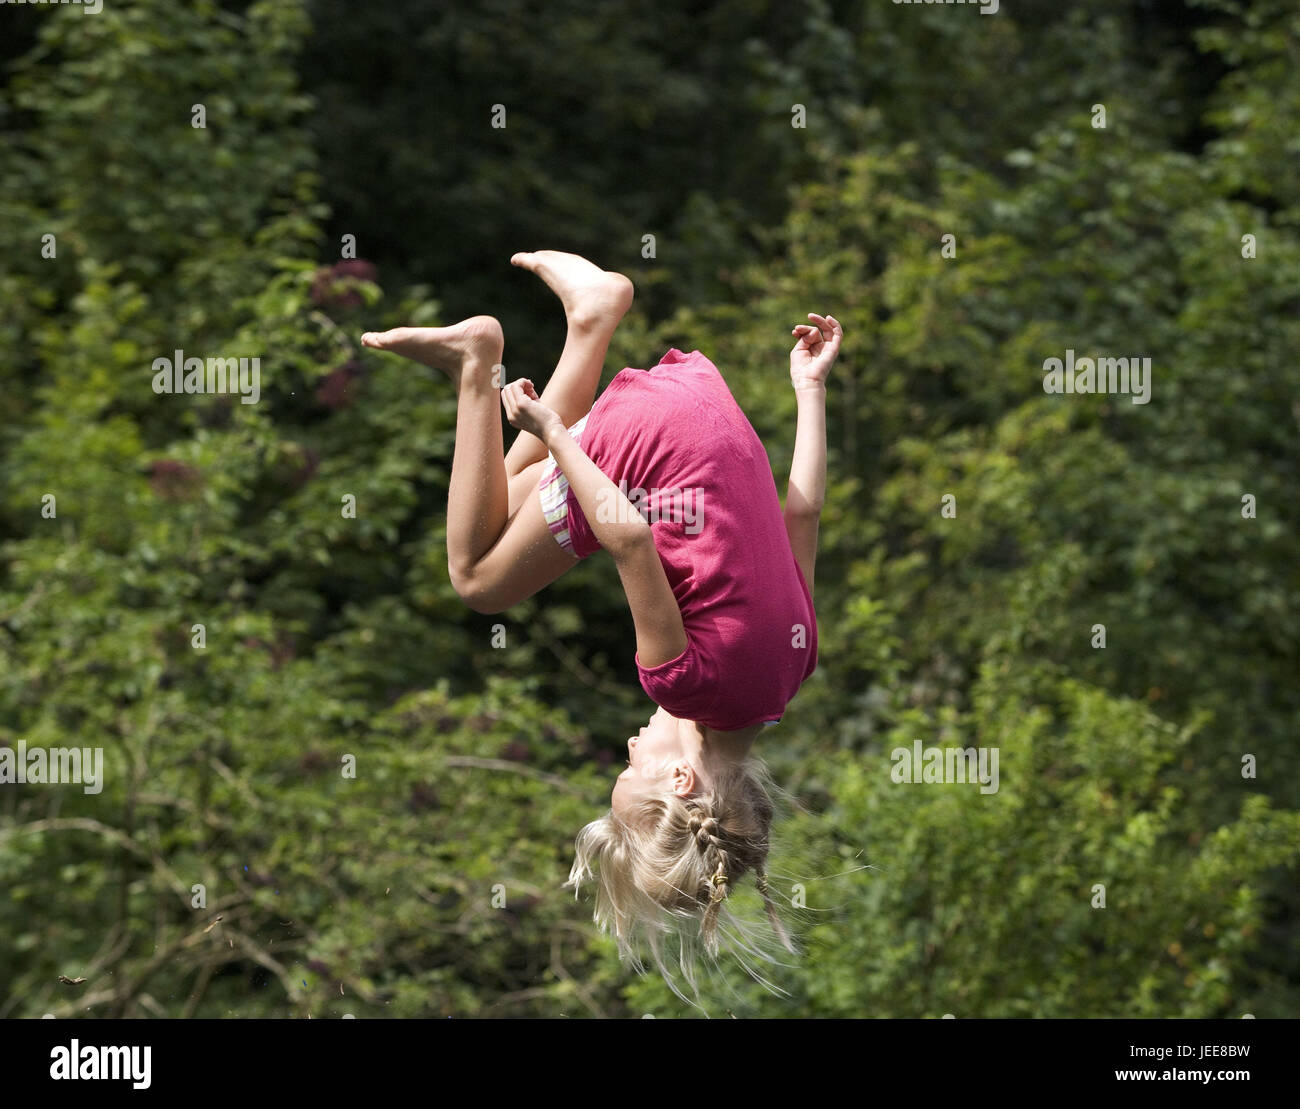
x=524 y=559
x=594 y=301
x=495 y=558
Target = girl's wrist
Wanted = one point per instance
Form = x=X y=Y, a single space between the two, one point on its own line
x=811 y=388
x=554 y=433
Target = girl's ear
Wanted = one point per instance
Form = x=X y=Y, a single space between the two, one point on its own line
x=683 y=778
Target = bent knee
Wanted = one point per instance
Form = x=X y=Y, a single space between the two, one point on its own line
x=477 y=594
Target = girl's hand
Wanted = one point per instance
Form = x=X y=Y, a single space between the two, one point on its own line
x=814 y=352
x=526 y=412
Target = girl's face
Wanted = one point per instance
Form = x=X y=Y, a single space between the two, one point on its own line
x=657 y=763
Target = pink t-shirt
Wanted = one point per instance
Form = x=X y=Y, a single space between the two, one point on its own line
x=676 y=441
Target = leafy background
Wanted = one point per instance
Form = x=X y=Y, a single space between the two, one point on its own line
x=429 y=884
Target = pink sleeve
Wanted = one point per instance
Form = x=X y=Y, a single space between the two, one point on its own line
x=682 y=685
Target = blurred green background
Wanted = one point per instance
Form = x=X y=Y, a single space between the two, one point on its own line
x=429 y=883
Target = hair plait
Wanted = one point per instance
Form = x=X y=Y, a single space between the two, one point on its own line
x=675 y=860
x=705 y=829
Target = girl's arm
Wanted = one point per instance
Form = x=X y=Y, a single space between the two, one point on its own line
x=810 y=362
x=618 y=526
x=807 y=490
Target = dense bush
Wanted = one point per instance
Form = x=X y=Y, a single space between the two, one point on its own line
x=378 y=789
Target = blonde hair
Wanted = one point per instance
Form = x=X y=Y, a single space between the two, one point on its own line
x=664 y=874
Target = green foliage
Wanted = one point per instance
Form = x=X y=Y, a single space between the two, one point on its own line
x=428 y=883
x=989 y=905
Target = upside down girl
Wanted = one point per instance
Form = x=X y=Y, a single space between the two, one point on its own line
x=665 y=474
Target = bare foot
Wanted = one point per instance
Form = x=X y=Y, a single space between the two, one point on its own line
x=477 y=341
x=592 y=297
